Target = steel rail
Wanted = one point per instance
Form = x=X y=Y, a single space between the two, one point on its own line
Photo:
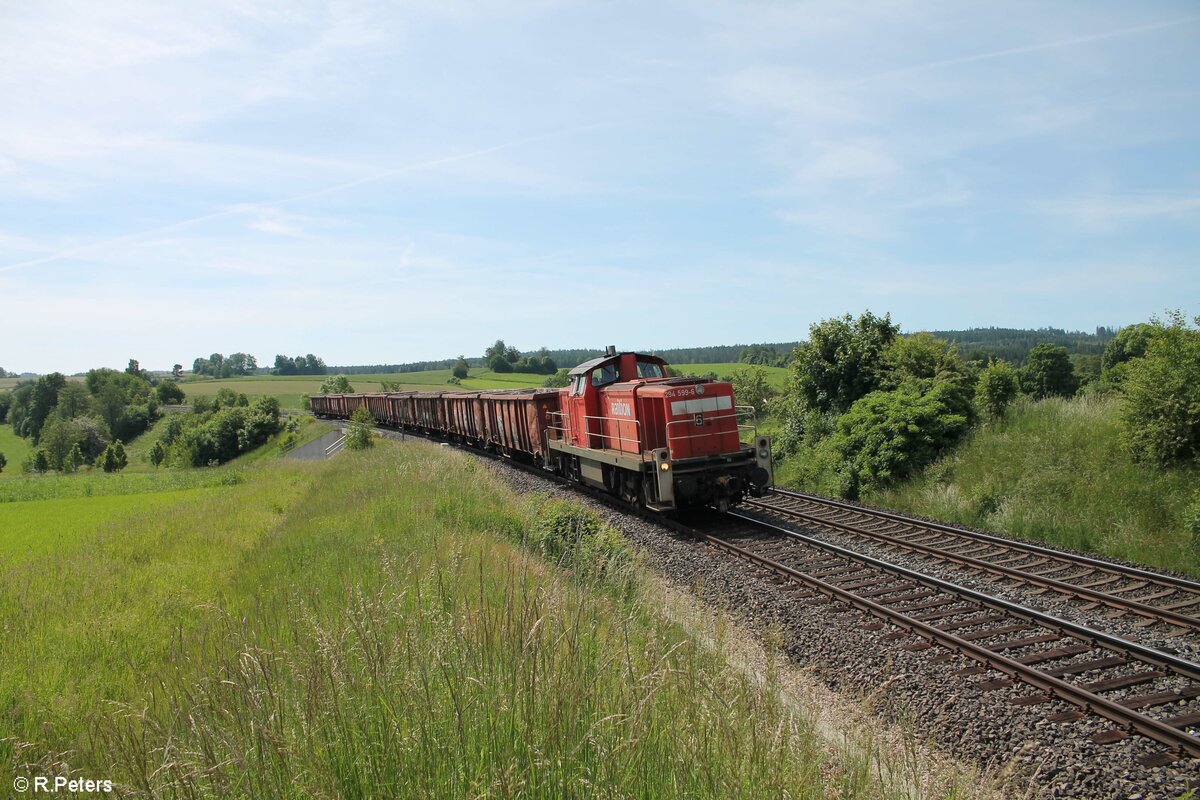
x=1113 y=601
x=1099 y=638
x=1013 y=544
x=1176 y=740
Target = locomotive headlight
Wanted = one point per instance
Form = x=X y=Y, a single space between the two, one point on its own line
x=664 y=466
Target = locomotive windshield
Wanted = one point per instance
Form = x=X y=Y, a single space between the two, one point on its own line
x=602 y=376
x=648 y=369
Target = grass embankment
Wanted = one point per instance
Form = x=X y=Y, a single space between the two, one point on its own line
x=1056 y=471
x=368 y=626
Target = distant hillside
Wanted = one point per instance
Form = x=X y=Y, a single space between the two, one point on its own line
x=1014 y=344
x=974 y=344
x=713 y=354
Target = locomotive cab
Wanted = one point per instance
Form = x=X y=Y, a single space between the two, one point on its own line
x=626 y=428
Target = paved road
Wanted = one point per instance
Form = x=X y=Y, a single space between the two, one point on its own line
x=315 y=450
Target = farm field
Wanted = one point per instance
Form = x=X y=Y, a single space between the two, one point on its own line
x=369 y=625
x=288 y=389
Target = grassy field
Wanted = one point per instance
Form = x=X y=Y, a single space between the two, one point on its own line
x=15 y=450
x=290 y=388
x=776 y=376
x=370 y=626
x=1056 y=471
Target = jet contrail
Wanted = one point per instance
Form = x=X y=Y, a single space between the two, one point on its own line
x=245 y=207
x=1012 y=51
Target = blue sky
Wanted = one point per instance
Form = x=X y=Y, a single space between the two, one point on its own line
x=387 y=182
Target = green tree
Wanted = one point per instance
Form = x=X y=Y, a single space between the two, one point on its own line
x=74 y=400
x=460 y=369
x=73 y=460
x=59 y=437
x=169 y=393
x=3 y=462
x=761 y=354
x=1161 y=414
x=114 y=458
x=842 y=361
x=5 y=405
x=177 y=371
x=157 y=453
x=40 y=460
x=336 y=384
x=358 y=435
x=558 y=380
x=998 y=385
x=33 y=403
x=499 y=363
x=1131 y=342
x=750 y=388
x=1048 y=373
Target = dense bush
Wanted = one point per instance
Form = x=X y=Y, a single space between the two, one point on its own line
x=169 y=392
x=998 y=386
x=359 y=435
x=575 y=537
x=842 y=361
x=1048 y=372
x=887 y=436
x=1162 y=389
x=750 y=387
x=218 y=435
x=336 y=384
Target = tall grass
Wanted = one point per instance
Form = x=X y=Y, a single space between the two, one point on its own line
x=1056 y=471
x=381 y=625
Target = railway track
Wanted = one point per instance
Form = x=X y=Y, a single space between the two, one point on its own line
x=1140 y=690
x=1146 y=597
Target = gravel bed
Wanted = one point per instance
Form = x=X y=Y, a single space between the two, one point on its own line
x=950 y=711
x=1185 y=645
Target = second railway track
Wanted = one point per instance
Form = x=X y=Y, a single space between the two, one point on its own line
x=1148 y=597
x=1139 y=689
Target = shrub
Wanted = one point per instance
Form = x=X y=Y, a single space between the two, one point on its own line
x=575 y=537
x=1048 y=372
x=336 y=384
x=362 y=423
x=558 y=380
x=887 y=436
x=997 y=387
x=750 y=388
x=169 y=392
x=1161 y=417
x=3 y=462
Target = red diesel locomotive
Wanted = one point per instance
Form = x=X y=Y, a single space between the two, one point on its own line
x=621 y=425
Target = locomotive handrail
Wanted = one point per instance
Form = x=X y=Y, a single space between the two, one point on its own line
x=565 y=429
x=735 y=415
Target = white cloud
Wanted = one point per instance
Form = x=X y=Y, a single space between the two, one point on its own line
x=1098 y=212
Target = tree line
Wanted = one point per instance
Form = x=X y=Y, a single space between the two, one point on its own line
x=73 y=423
x=867 y=406
x=220 y=366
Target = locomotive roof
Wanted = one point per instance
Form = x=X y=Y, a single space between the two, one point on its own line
x=595 y=362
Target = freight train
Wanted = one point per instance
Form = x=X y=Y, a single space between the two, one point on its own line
x=621 y=425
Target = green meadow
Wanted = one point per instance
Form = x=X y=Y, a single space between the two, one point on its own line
x=394 y=622
x=289 y=389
